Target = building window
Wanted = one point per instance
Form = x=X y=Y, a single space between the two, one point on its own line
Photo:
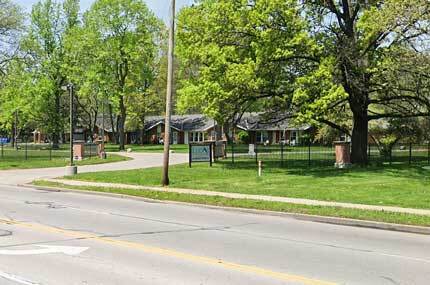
x=262 y=136
x=283 y=138
x=197 y=137
x=344 y=138
x=294 y=138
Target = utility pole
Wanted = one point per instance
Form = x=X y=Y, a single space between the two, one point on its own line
x=170 y=55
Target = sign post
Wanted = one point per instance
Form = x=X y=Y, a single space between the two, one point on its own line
x=201 y=153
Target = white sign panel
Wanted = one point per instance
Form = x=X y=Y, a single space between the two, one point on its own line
x=200 y=153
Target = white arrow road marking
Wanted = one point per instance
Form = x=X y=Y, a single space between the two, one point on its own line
x=17 y=279
x=45 y=249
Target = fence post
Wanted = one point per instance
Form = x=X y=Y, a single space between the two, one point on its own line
x=309 y=152
x=91 y=150
x=256 y=153
x=282 y=154
x=50 y=151
x=26 y=148
x=410 y=153
x=190 y=158
x=211 y=153
x=368 y=152
x=428 y=152
x=232 y=152
x=391 y=155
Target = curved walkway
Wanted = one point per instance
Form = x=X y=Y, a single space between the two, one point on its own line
x=139 y=160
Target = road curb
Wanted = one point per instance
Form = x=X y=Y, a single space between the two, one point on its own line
x=303 y=217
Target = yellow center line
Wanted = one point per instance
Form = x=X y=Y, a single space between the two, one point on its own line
x=173 y=253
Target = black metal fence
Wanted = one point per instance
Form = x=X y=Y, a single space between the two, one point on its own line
x=46 y=151
x=310 y=154
x=400 y=153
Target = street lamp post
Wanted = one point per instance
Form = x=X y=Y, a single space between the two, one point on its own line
x=103 y=152
x=72 y=168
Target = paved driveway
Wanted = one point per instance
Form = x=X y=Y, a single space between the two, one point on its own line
x=140 y=160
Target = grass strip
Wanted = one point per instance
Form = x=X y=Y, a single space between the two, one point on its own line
x=6 y=164
x=406 y=186
x=377 y=216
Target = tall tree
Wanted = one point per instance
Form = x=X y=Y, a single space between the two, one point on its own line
x=378 y=59
x=127 y=36
x=50 y=23
x=310 y=59
x=16 y=99
x=83 y=68
x=11 y=25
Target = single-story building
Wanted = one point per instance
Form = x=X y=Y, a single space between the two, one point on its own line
x=196 y=128
x=184 y=129
x=266 y=132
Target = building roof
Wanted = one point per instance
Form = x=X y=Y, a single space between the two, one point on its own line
x=107 y=122
x=202 y=123
x=257 y=122
x=187 y=123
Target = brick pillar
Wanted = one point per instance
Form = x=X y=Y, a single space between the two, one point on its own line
x=78 y=151
x=343 y=154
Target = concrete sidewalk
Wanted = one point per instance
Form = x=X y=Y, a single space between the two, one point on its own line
x=138 y=161
x=420 y=212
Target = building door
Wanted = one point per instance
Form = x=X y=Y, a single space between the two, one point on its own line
x=175 y=137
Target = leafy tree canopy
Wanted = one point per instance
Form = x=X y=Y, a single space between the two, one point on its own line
x=320 y=61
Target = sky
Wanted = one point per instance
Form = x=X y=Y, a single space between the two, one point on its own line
x=160 y=7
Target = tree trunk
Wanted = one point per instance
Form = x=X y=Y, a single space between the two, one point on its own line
x=226 y=128
x=13 y=133
x=142 y=131
x=57 y=127
x=359 y=138
x=121 y=124
x=55 y=141
x=94 y=126
x=114 y=140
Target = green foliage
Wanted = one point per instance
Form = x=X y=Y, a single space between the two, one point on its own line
x=340 y=63
x=112 y=55
x=34 y=82
x=16 y=96
x=118 y=47
x=232 y=66
x=386 y=133
x=243 y=136
x=11 y=24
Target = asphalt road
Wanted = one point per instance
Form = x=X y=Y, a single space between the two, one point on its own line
x=67 y=238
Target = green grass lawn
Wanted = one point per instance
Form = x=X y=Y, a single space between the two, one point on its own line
x=151 y=148
x=379 y=216
x=43 y=161
x=397 y=185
